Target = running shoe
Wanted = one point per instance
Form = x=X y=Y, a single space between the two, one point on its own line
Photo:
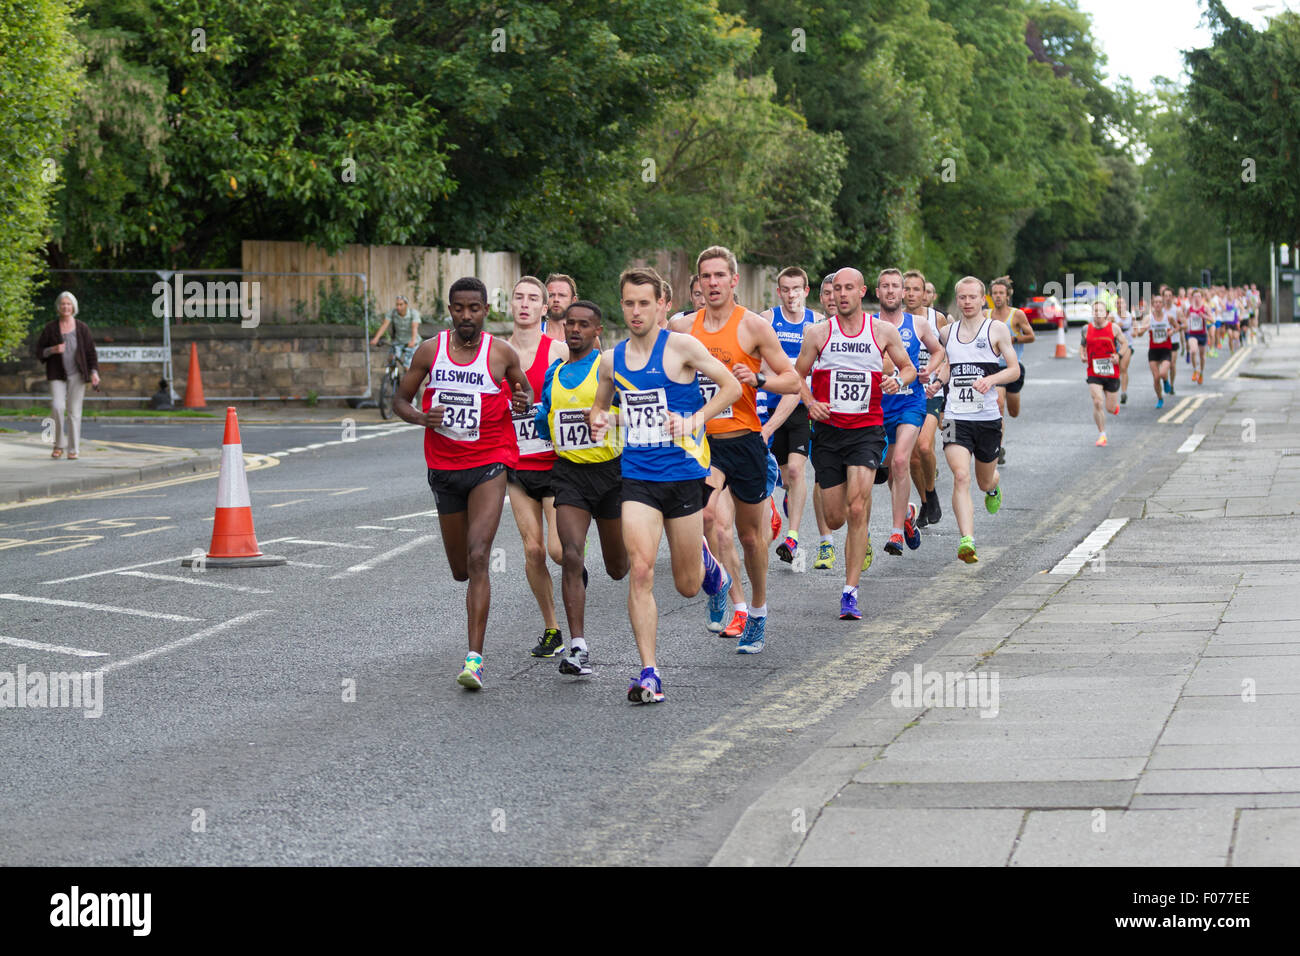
x=894 y=545
x=1160 y=403
x=993 y=500
x=471 y=678
x=825 y=556
x=1115 y=410
x=849 y=607
x=550 y=644
x=966 y=549
x=869 y=556
x=1101 y=440
x=1167 y=386
x=910 y=534
x=646 y=688
x=737 y=625
x=576 y=664
x=923 y=518
x=785 y=505
x=1002 y=455
x=1214 y=353
x=1170 y=389
x=935 y=511
x=751 y=642
x=1123 y=398
x=786 y=549
x=717 y=611
x=716 y=578
x=776 y=520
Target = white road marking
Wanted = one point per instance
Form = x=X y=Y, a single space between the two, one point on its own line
x=1197 y=402
x=1189 y=446
x=1087 y=549
x=1168 y=416
x=414 y=514
x=184 y=641
x=330 y=544
x=128 y=567
x=294 y=451
x=52 y=648
x=165 y=527
x=386 y=556
x=307 y=564
x=285 y=504
x=97 y=607
x=193 y=579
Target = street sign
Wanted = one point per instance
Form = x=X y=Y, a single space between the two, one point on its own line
x=131 y=353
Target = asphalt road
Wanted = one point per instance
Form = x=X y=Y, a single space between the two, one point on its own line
x=223 y=700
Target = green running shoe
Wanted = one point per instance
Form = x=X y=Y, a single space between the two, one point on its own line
x=866 y=558
x=471 y=678
x=825 y=556
x=550 y=644
x=994 y=501
x=966 y=549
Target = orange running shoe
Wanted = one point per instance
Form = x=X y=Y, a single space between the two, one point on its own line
x=1101 y=441
x=737 y=625
x=776 y=519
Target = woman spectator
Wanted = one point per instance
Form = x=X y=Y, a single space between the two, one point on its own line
x=68 y=350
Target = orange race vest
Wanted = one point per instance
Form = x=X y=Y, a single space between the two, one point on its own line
x=724 y=345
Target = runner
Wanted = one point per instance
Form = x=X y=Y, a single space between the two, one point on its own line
x=665 y=459
x=971 y=426
x=904 y=411
x=1022 y=331
x=1099 y=348
x=744 y=341
x=532 y=499
x=1172 y=315
x=918 y=297
x=786 y=426
x=826 y=540
x=561 y=291
x=586 y=476
x=1160 y=336
x=469 y=443
x=844 y=356
x=1125 y=320
x=1197 y=319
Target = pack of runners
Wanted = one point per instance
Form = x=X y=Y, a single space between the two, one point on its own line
x=684 y=430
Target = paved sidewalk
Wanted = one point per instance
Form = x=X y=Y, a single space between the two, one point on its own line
x=27 y=471
x=1146 y=704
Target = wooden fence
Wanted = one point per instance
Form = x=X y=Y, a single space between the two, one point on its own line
x=423 y=274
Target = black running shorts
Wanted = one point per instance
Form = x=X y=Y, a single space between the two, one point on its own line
x=793 y=437
x=836 y=449
x=1109 y=384
x=982 y=439
x=536 y=484
x=674 y=499
x=1160 y=354
x=742 y=459
x=1015 y=387
x=596 y=488
x=451 y=488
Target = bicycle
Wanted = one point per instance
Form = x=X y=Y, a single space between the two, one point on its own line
x=393 y=373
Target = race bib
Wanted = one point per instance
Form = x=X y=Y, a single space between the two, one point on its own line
x=461 y=415
x=571 y=430
x=709 y=388
x=530 y=443
x=963 y=399
x=1159 y=331
x=922 y=360
x=850 y=391
x=1103 y=367
x=645 y=417
x=1194 y=323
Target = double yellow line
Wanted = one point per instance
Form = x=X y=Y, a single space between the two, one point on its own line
x=1185 y=408
x=1230 y=367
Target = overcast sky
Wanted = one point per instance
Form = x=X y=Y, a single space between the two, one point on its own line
x=1145 y=38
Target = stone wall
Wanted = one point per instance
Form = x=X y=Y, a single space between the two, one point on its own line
x=273 y=362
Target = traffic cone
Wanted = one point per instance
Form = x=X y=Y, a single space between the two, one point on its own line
x=234 y=545
x=194 y=382
x=1060 y=339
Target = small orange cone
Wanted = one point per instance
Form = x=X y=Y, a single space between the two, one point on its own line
x=234 y=545
x=1060 y=339
x=194 y=382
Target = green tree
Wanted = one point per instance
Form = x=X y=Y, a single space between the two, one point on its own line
x=38 y=79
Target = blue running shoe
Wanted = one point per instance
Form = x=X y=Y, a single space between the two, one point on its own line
x=1160 y=403
x=751 y=642
x=1165 y=383
x=714 y=573
x=647 y=688
x=911 y=534
x=849 y=608
x=717 y=610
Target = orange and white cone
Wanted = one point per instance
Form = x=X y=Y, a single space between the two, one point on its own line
x=1060 y=340
x=234 y=545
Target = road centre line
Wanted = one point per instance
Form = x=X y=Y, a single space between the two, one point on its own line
x=414 y=514
x=193 y=579
x=109 y=608
x=386 y=556
x=329 y=544
x=128 y=567
x=51 y=648
x=184 y=641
